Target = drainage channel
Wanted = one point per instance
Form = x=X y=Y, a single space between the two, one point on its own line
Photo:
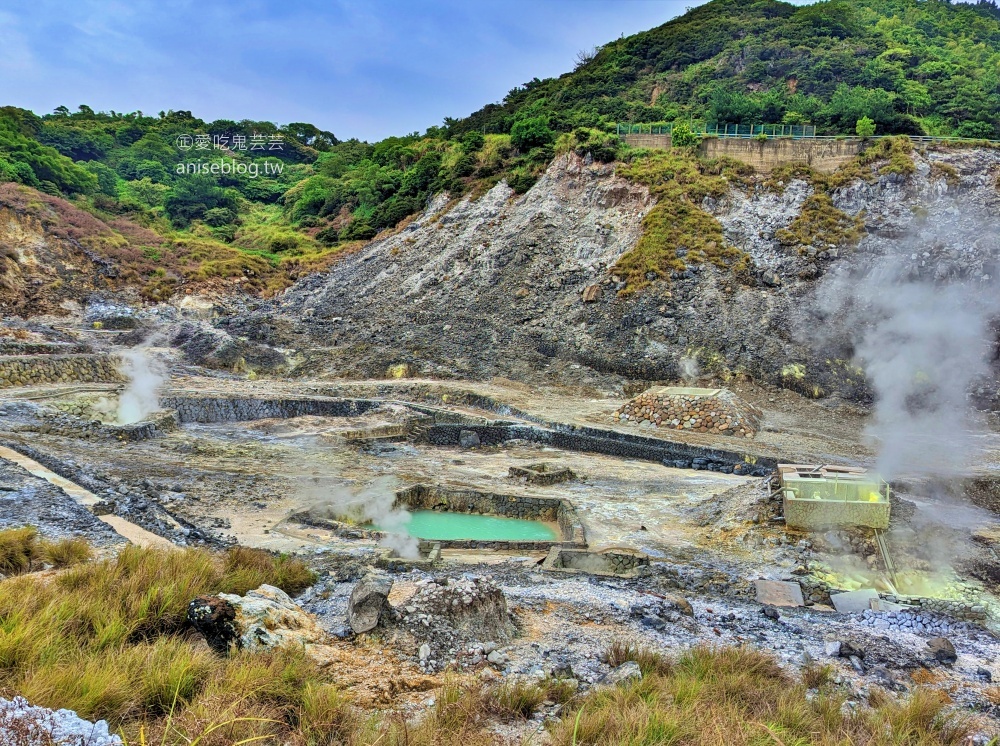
x=126 y=529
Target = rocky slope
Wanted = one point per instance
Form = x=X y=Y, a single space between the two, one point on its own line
x=522 y=286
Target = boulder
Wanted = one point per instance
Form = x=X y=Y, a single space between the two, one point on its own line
x=262 y=619
x=468 y=439
x=369 y=602
x=779 y=593
x=942 y=649
x=623 y=675
x=216 y=620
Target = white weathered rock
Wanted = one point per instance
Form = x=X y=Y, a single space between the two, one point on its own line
x=268 y=618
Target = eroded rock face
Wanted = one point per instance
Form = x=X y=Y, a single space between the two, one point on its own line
x=369 y=603
x=262 y=619
x=514 y=285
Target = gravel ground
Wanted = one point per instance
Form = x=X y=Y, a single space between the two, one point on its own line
x=566 y=623
x=29 y=500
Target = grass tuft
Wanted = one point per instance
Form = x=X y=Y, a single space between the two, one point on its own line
x=742 y=697
x=18 y=547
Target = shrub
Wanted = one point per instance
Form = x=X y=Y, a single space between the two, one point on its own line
x=681 y=135
x=865 y=127
x=531 y=132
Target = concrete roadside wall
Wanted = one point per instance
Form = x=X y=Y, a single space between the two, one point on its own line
x=825 y=156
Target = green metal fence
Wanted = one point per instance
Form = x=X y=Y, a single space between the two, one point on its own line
x=795 y=131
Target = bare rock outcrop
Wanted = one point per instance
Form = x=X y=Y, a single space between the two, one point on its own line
x=262 y=619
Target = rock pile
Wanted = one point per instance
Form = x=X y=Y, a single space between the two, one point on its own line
x=714 y=411
x=457 y=620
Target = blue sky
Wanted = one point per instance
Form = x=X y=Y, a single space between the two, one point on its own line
x=360 y=69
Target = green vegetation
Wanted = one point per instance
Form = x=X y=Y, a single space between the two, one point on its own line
x=677 y=231
x=865 y=127
x=912 y=67
x=108 y=639
x=21 y=550
x=821 y=225
x=287 y=200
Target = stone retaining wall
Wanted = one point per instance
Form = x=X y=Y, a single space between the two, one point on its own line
x=71 y=426
x=618 y=564
x=17 y=347
x=547 y=509
x=965 y=610
x=236 y=409
x=542 y=473
x=612 y=443
x=23 y=370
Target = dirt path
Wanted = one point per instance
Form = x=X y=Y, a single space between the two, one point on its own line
x=126 y=529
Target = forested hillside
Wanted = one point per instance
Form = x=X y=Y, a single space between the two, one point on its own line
x=283 y=201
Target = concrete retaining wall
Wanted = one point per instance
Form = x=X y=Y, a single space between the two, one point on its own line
x=765 y=155
x=42 y=369
x=647 y=141
x=611 y=443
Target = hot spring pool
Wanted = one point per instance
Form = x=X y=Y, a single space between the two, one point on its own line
x=445 y=526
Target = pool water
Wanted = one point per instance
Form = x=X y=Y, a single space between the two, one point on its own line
x=445 y=526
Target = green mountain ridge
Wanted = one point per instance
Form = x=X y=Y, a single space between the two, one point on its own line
x=911 y=66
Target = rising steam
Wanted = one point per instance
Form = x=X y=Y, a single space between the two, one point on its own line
x=145 y=377
x=689 y=368
x=374 y=503
x=924 y=339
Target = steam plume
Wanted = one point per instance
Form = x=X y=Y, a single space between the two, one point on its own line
x=141 y=396
x=924 y=339
x=373 y=503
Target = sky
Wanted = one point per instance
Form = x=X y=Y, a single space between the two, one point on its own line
x=358 y=68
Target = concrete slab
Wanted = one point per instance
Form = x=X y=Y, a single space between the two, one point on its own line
x=779 y=593
x=853 y=602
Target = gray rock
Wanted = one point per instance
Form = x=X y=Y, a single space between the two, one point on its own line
x=369 y=602
x=625 y=674
x=832 y=649
x=942 y=650
x=424 y=652
x=468 y=439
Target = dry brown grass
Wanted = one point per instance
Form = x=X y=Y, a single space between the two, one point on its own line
x=742 y=697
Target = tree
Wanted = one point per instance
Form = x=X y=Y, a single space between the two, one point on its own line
x=192 y=196
x=865 y=127
x=531 y=132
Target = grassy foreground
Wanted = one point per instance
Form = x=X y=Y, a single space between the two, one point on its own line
x=108 y=639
